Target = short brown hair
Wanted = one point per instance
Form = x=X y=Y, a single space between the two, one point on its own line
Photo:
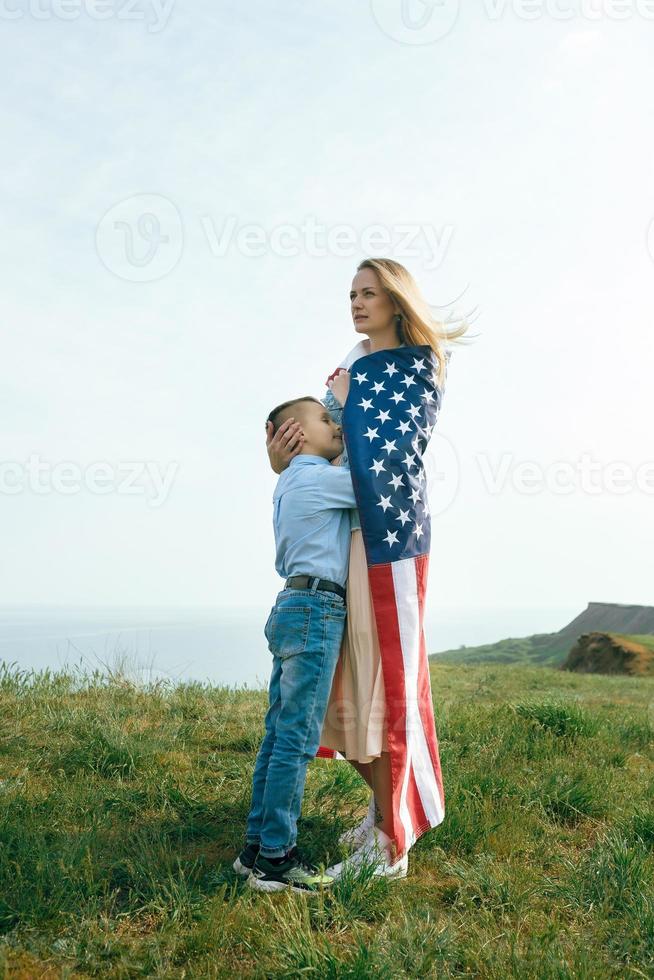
x=274 y=416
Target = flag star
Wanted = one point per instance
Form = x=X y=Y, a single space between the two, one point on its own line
x=409 y=460
x=390 y=369
x=428 y=430
x=418 y=365
x=428 y=395
x=425 y=512
x=384 y=503
x=421 y=476
x=418 y=530
x=415 y=445
x=413 y=411
x=391 y=537
x=389 y=447
x=383 y=416
x=397 y=397
x=396 y=481
x=378 y=386
x=365 y=404
x=377 y=466
x=408 y=380
x=404 y=427
x=361 y=378
x=370 y=434
x=404 y=517
x=415 y=495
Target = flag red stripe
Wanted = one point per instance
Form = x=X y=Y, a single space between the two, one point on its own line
x=382 y=590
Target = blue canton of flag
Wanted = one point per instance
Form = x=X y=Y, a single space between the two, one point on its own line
x=388 y=418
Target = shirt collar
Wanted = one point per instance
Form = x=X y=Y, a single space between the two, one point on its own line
x=304 y=458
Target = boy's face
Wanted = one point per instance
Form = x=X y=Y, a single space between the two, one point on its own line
x=322 y=436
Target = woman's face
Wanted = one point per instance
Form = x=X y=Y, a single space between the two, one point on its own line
x=372 y=307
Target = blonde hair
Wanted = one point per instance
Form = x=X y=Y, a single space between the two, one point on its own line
x=416 y=324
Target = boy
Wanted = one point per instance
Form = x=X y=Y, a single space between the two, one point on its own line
x=311 y=523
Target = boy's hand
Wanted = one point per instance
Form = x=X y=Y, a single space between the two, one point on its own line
x=340 y=386
x=284 y=444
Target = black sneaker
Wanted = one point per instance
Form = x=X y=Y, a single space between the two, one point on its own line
x=290 y=872
x=245 y=861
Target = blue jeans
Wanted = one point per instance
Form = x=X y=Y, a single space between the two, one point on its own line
x=304 y=632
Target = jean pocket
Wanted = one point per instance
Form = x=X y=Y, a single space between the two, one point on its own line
x=266 y=629
x=288 y=630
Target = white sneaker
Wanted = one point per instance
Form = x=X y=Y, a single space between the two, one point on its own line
x=375 y=849
x=359 y=834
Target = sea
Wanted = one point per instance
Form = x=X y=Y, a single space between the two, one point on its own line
x=217 y=646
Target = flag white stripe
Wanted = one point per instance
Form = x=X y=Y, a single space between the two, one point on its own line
x=405 y=584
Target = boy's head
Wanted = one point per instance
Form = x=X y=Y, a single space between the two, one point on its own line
x=322 y=436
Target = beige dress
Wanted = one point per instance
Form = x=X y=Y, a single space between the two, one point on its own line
x=355 y=721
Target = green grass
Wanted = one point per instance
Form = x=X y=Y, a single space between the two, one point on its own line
x=122 y=807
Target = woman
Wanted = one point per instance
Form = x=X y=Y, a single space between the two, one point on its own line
x=387 y=307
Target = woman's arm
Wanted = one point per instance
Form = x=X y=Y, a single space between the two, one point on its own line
x=340 y=386
x=334 y=407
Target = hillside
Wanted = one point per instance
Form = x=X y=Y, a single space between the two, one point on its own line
x=611 y=617
x=551 y=649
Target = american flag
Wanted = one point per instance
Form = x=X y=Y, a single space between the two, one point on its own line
x=390 y=413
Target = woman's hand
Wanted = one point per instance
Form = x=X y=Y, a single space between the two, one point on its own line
x=340 y=386
x=284 y=444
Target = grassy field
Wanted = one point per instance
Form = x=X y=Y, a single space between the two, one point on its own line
x=121 y=809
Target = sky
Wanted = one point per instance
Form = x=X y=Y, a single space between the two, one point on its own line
x=187 y=190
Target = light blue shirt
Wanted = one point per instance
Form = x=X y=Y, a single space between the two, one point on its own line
x=311 y=518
